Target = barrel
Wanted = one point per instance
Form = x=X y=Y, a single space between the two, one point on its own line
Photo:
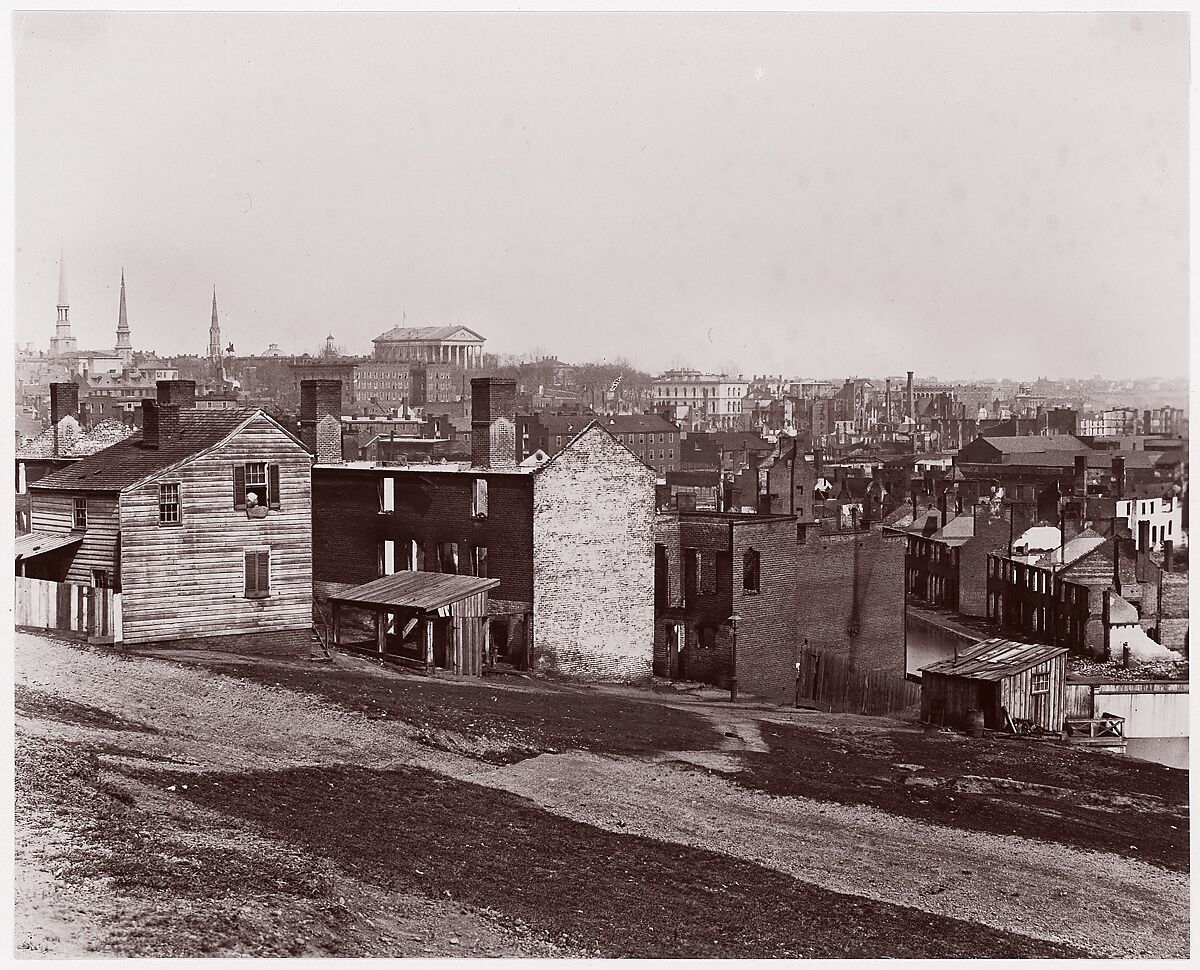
x=975 y=722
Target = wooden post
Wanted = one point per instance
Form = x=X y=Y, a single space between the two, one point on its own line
x=458 y=666
x=337 y=623
x=428 y=627
x=381 y=626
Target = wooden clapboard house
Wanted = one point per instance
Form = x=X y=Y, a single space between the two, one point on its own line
x=202 y=523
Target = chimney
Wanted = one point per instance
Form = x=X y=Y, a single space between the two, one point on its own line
x=64 y=400
x=493 y=423
x=1168 y=555
x=887 y=401
x=150 y=433
x=1147 y=423
x=329 y=440
x=1080 y=475
x=908 y=398
x=943 y=506
x=181 y=393
x=317 y=399
x=817 y=466
x=1118 y=470
x=168 y=422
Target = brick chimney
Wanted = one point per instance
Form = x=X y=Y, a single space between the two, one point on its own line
x=182 y=393
x=150 y=433
x=317 y=399
x=329 y=440
x=64 y=402
x=493 y=423
x=1168 y=555
x=1118 y=470
x=1080 y=475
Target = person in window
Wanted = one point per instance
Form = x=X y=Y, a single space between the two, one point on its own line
x=253 y=509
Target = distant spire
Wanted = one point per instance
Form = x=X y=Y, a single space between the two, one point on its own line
x=124 y=347
x=62 y=279
x=214 y=331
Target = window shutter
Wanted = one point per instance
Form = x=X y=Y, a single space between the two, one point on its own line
x=251 y=568
x=264 y=573
x=239 y=487
x=273 y=487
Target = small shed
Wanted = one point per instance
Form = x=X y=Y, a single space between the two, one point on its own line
x=999 y=677
x=424 y=620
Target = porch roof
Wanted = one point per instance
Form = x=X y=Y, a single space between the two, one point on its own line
x=419 y=591
x=39 y=543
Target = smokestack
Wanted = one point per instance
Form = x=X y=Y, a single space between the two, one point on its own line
x=1080 y=475
x=908 y=398
x=1118 y=470
x=182 y=393
x=493 y=423
x=887 y=401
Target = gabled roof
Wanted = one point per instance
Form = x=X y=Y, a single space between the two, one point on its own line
x=429 y=333
x=130 y=461
x=995 y=659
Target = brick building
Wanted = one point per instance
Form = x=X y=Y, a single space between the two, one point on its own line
x=850 y=596
x=651 y=437
x=570 y=600
x=710 y=567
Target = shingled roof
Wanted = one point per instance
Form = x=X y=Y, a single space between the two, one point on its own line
x=130 y=461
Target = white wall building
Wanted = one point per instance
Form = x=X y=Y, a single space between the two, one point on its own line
x=1165 y=515
x=713 y=400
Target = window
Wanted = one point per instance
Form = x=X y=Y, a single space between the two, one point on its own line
x=750 y=570
x=387 y=564
x=168 y=504
x=100 y=578
x=260 y=478
x=387 y=494
x=80 y=513
x=447 y=557
x=479 y=499
x=258 y=573
x=1041 y=682
x=479 y=564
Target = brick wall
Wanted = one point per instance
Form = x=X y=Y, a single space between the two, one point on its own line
x=991 y=535
x=767 y=630
x=593 y=569
x=850 y=589
x=431 y=507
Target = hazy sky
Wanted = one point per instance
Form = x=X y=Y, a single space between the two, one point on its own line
x=787 y=193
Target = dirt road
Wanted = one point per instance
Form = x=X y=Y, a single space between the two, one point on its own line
x=151 y=723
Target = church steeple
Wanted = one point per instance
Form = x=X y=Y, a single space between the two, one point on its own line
x=62 y=342
x=124 y=345
x=214 y=331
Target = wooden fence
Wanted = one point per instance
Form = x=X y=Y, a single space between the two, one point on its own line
x=831 y=683
x=84 y=611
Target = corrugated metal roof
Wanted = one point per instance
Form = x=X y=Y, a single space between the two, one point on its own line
x=416 y=590
x=39 y=543
x=995 y=659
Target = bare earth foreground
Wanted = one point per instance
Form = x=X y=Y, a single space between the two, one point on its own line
x=237 y=798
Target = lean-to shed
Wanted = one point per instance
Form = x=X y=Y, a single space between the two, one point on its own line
x=1024 y=680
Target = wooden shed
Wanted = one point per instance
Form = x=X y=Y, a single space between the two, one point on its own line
x=424 y=620
x=1024 y=681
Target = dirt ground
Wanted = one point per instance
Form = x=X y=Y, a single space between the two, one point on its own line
x=247 y=801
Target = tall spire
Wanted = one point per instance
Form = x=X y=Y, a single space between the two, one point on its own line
x=62 y=342
x=124 y=346
x=63 y=300
x=214 y=331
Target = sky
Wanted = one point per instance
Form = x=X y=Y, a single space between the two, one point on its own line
x=792 y=193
